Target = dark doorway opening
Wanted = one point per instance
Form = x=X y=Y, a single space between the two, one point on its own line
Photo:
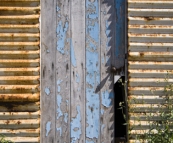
x=120 y=109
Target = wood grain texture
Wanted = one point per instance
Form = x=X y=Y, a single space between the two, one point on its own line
x=48 y=45
x=92 y=71
x=119 y=52
x=77 y=86
x=77 y=71
x=63 y=71
x=107 y=59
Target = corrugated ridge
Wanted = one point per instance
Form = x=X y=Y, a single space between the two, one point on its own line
x=150 y=60
x=20 y=70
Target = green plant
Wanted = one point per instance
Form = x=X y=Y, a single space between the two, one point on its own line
x=161 y=129
x=3 y=140
x=159 y=123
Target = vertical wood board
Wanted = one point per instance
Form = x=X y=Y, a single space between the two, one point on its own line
x=77 y=48
x=63 y=69
x=48 y=45
x=92 y=71
x=107 y=21
x=83 y=107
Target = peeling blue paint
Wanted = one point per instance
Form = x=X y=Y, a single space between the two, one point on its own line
x=92 y=19
x=77 y=78
x=92 y=111
x=61 y=35
x=47 y=91
x=106 y=98
x=58 y=8
x=58 y=83
x=60 y=131
x=48 y=128
x=59 y=101
x=65 y=117
x=89 y=141
x=59 y=88
x=72 y=54
x=107 y=34
x=92 y=65
x=92 y=70
x=76 y=126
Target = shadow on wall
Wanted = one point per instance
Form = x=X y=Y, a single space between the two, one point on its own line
x=108 y=50
x=114 y=55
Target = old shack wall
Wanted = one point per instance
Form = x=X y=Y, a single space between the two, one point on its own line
x=150 y=60
x=78 y=49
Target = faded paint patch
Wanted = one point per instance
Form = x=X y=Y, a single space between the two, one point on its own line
x=59 y=101
x=106 y=98
x=65 y=117
x=61 y=35
x=76 y=126
x=47 y=90
x=48 y=128
x=92 y=70
x=60 y=130
x=72 y=54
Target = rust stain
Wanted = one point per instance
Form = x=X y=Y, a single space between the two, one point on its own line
x=147 y=18
x=7 y=122
x=18 y=122
x=150 y=58
x=141 y=54
x=19 y=68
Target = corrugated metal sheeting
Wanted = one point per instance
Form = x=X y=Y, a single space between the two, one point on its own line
x=150 y=48
x=19 y=70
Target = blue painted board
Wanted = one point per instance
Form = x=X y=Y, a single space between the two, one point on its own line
x=120 y=33
x=92 y=71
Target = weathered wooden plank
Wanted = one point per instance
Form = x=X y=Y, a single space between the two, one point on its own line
x=48 y=46
x=77 y=47
x=107 y=59
x=63 y=72
x=120 y=33
x=92 y=71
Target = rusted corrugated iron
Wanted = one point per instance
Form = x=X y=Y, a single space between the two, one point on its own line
x=19 y=70
x=150 y=58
